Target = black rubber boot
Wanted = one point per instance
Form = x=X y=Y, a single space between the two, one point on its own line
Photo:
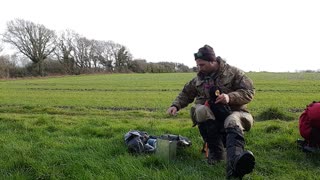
x=240 y=162
x=215 y=142
x=216 y=146
x=216 y=153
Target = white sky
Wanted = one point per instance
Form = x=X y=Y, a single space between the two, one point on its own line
x=254 y=35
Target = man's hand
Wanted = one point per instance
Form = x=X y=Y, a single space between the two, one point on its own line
x=223 y=99
x=172 y=110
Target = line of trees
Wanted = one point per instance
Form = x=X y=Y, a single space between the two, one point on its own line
x=68 y=52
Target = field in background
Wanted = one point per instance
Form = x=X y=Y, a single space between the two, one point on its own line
x=72 y=127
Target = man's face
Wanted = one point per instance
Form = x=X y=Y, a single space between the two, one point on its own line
x=207 y=67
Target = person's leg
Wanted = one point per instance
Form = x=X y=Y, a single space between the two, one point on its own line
x=240 y=162
x=215 y=142
x=210 y=130
x=200 y=113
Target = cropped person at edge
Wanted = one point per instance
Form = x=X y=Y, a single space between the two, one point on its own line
x=223 y=136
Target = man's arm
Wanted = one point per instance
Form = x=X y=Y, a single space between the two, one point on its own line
x=185 y=97
x=244 y=90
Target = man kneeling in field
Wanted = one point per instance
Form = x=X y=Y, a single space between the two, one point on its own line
x=221 y=93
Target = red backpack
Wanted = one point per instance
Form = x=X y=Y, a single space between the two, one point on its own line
x=309 y=124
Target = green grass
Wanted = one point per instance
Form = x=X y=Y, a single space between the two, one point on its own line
x=72 y=127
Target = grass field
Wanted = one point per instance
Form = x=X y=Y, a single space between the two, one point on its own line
x=72 y=127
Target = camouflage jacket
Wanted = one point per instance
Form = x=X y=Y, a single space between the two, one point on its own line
x=229 y=79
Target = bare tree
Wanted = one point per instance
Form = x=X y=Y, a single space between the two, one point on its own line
x=81 y=49
x=108 y=51
x=103 y=56
x=33 y=40
x=64 y=51
x=78 y=53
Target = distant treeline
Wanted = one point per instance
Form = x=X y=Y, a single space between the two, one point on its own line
x=43 y=52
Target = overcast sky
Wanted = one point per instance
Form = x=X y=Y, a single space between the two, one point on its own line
x=254 y=35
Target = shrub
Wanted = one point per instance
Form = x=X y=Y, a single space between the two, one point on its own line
x=274 y=113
